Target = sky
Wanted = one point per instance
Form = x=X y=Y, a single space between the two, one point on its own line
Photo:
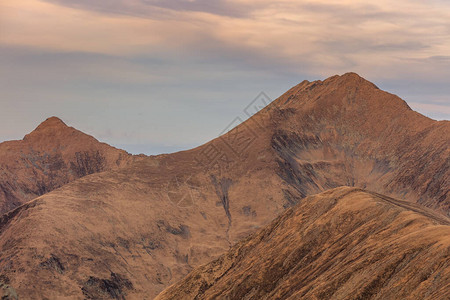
x=158 y=76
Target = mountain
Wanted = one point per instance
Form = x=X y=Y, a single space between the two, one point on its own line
x=49 y=157
x=345 y=243
x=132 y=231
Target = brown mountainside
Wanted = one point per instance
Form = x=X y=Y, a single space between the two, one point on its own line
x=49 y=157
x=133 y=231
x=346 y=131
x=344 y=243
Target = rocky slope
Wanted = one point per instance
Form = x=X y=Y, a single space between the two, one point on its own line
x=133 y=231
x=344 y=243
x=345 y=131
x=49 y=157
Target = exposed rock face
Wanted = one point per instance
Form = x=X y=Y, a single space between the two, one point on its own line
x=345 y=131
x=344 y=243
x=49 y=157
x=152 y=221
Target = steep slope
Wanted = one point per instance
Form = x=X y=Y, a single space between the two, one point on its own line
x=49 y=157
x=345 y=131
x=132 y=232
x=345 y=243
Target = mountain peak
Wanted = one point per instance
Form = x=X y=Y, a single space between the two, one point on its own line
x=351 y=75
x=52 y=122
x=335 y=82
x=49 y=126
x=350 y=86
x=349 y=78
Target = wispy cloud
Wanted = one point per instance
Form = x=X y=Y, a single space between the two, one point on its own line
x=152 y=8
x=321 y=35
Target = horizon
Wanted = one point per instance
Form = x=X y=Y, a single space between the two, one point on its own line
x=262 y=98
x=162 y=76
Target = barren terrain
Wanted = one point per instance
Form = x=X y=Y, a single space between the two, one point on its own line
x=143 y=224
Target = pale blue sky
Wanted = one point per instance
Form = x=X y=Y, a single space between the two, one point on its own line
x=161 y=76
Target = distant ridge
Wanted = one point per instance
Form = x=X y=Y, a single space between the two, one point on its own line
x=47 y=158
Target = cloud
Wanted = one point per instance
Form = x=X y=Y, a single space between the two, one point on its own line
x=440 y=58
x=322 y=36
x=151 y=8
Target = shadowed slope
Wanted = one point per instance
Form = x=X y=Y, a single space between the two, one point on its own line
x=345 y=131
x=341 y=244
x=49 y=157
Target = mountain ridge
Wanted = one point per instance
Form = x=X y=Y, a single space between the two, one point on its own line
x=381 y=123
x=324 y=248
x=147 y=224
